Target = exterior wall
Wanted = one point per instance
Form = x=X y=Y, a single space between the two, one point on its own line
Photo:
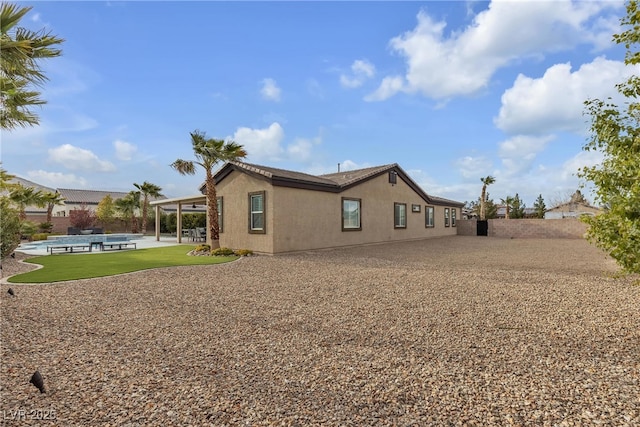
x=569 y=228
x=62 y=223
x=571 y=210
x=467 y=227
x=234 y=190
x=298 y=219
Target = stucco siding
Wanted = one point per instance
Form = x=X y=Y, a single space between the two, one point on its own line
x=301 y=219
x=234 y=191
x=312 y=219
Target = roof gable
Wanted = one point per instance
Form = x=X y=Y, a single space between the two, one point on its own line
x=333 y=182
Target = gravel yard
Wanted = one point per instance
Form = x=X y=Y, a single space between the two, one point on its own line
x=449 y=331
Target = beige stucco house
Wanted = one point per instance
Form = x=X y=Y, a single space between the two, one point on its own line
x=272 y=211
x=576 y=207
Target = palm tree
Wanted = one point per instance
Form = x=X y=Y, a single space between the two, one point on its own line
x=127 y=206
x=209 y=152
x=19 y=70
x=147 y=189
x=508 y=203
x=5 y=181
x=483 y=195
x=26 y=196
x=52 y=199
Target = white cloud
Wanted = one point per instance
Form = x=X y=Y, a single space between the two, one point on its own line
x=301 y=149
x=349 y=165
x=124 y=150
x=57 y=179
x=474 y=167
x=268 y=145
x=583 y=159
x=361 y=70
x=389 y=87
x=261 y=144
x=270 y=90
x=519 y=152
x=462 y=63
x=554 y=102
x=76 y=158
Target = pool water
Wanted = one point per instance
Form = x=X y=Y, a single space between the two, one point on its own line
x=61 y=240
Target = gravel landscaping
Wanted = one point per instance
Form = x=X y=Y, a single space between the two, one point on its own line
x=450 y=331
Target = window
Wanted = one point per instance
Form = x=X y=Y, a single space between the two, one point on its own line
x=453 y=217
x=446 y=217
x=351 y=214
x=400 y=215
x=220 y=214
x=256 y=212
x=415 y=208
x=429 y=220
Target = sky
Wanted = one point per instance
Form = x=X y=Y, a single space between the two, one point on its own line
x=452 y=91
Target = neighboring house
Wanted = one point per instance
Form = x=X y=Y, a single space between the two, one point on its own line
x=33 y=210
x=575 y=207
x=501 y=212
x=74 y=199
x=271 y=210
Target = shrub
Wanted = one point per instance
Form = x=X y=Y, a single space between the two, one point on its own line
x=46 y=227
x=82 y=218
x=243 y=252
x=202 y=248
x=222 y=252
x=40 y=236
x=28 y=229
x=10 y=229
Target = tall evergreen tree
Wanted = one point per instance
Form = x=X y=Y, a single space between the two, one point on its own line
x=540 y=207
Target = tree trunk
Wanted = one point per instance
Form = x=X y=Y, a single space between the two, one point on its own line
x=483 y=196
x=213 y=235
x=144 y=215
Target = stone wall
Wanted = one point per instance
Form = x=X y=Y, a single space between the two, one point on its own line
x=568 y=228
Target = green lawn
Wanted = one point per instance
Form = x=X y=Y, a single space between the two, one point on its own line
x=61 y=267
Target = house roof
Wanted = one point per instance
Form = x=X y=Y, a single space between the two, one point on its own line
x=347 y=178
x=90 y=197
x=333 y=182
x=93 y=197
x=30 y=184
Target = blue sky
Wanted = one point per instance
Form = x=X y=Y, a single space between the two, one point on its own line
x=452 y=91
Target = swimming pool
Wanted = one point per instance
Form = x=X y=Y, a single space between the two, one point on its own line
x=62 y=240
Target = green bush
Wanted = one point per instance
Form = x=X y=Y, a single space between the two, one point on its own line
x=40 y=236
x=28 y=229
x=9 y=228
x=243 y=252
x=222 y=252
x=45 y=227
x=203 y=248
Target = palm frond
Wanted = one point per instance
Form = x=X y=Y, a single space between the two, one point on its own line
x=184 y=167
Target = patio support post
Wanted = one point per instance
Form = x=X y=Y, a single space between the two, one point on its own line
x=179 y=223
x=157 y=223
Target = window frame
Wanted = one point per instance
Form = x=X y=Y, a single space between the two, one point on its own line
x=262 y=230
x=446 y=217
x=342 y=211
x=432 y=210
x=397 y=216
x=453 y=217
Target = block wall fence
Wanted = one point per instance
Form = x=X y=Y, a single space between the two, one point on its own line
x=567 y=228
